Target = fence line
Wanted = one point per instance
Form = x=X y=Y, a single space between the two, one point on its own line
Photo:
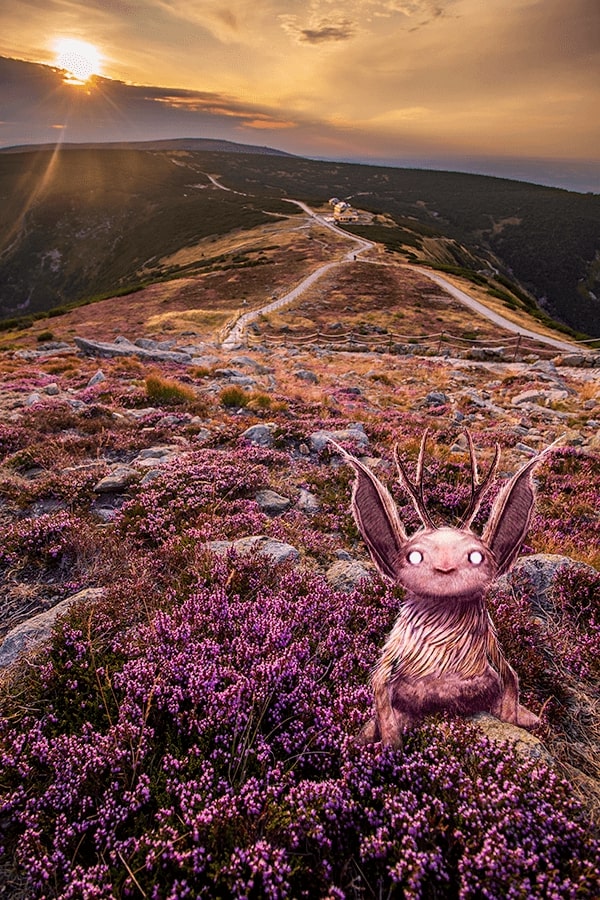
x=444 y=340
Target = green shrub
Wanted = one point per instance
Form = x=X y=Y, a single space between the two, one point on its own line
x=234 y=397
x=167 y=391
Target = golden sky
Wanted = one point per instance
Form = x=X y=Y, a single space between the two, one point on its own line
x=369 y=79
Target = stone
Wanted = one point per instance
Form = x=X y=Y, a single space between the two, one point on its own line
x=307 y=375
x=123 y=347
x=320 y=439
x=35 y=631
x=436 y=398
x=52 y=389
x=117 y=480
x=308 y=503
x=272 y=503
x=346 y=575
x=536 y=574
x=33 y=399
x=260 y=435
x=202 y=436
x=524 y=448
x=525 y=743
x=277 y=551
x=539 y=396
x=205 y=362
x=98 y=377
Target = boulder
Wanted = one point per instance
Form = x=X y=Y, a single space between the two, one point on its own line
x=277 y=551
x=308 y=503
x=261 y=435
x=117 y=480
x=525 y=743
x=123 y=347
x=307 y=375
x=347 y=575
x=35 y=631
x=536 y=574
x=98 y=377
x=272 y=503
x=319 y=439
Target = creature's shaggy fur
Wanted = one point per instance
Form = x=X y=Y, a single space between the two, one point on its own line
x=442 y=653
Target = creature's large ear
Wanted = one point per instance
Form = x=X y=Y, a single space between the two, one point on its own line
x=376 y=516
x=511 y=513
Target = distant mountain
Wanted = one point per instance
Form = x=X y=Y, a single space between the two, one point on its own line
x=196 y=145
x=86 y=222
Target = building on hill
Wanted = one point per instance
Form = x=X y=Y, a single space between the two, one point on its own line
x=343 y=212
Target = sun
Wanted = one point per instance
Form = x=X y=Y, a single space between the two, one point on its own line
x=79 y=59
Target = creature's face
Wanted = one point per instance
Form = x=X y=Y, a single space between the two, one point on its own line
x=445 y=562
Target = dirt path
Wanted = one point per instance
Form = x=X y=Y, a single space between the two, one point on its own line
x=495 y=317
x=235 y=337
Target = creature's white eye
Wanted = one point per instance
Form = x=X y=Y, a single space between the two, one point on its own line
x=475 y=557
x=415 y=557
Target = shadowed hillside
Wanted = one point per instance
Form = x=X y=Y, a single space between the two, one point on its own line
x=79 y=223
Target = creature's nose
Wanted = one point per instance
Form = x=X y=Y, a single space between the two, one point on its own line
x=445 y=567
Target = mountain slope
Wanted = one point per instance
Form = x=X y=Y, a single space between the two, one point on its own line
x=82 y=222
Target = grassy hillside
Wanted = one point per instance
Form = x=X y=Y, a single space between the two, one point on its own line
x=189 y=728
x=84 y=222
x=546 y=239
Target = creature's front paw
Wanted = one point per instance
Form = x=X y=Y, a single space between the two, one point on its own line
x=370 y=733
x=525 y=718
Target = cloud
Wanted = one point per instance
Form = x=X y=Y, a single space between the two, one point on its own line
x=321 y=31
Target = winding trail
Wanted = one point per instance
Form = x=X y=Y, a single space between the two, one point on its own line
x=235 y=337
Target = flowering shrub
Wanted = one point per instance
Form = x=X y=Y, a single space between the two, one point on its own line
x=50 y=541
x=211 y=752
x=196 y=491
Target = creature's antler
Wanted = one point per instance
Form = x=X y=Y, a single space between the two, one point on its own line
x=415 y=488
x=478 y=488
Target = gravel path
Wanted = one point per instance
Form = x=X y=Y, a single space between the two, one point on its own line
x=495 y=317
x=235 y=337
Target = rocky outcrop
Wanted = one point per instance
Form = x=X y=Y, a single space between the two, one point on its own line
x=35 y=631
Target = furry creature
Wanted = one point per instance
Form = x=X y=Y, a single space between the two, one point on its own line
x=442 y=653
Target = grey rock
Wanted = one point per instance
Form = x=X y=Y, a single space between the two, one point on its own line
x=346 y=575
x=35 y=631
x=524 y=448
x=536 y=575
x=202 y=436
x=33 y=399
x=242 y=380
x=277 y=551
x=307 y=375
x=261 y=435
x=308 y=503
x=123 y=347
x=319 y=439
x=119 y=479
x=205 y=362
x=272 y=503
x=98 y=377
x=436 y=398
x=248 y=363
x=52 y=389
x=525 y=743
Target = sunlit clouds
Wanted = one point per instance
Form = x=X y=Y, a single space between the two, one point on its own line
x=78 y=59
x=374 y=79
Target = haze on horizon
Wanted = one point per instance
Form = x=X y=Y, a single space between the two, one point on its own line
x=507 y=87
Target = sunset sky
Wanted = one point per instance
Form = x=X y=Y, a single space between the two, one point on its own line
x=446 y=83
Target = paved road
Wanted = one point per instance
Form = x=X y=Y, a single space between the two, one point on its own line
x=235 y=337
x=495 y=317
